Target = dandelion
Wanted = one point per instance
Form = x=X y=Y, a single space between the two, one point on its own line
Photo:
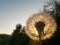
x=48 y=29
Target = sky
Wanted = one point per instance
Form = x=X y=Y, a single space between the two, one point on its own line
x=13 y=12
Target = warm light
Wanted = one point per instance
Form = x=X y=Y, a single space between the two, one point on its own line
x=49 y=29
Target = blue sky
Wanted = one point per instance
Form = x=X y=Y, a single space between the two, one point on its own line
x=13 y=12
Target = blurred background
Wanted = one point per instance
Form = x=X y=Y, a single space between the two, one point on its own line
x=13 y=12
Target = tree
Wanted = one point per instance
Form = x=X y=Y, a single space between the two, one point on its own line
x=4 y=38
x=53 y=8
x=18 y=36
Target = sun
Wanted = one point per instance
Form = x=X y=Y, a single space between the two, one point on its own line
x=49 y=28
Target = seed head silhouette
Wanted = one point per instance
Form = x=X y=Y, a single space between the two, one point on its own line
x=41 y=25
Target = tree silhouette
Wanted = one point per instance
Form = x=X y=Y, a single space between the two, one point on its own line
x=53 y=8
x=19 y=37
x=54 y=11
x=4 y=38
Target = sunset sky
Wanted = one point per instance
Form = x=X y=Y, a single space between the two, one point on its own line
x=13 y=12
